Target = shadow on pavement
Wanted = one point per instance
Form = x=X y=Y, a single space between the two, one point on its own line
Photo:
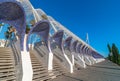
x=106 y=67
x=73 y=78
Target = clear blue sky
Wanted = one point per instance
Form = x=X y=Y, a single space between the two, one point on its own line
x=100 y=18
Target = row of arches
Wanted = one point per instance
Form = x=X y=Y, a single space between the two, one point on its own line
x=13 y=13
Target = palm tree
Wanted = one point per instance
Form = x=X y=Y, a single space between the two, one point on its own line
x=8 y=34
x=110 y=52
x=32 y=22
x=1 y=26
x=27 y=29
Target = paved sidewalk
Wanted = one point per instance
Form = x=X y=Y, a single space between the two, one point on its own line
x=104 y=71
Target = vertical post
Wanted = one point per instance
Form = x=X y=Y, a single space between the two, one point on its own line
x=71 y=66
x=68 y=60
x=50 y=57
x=26 y=63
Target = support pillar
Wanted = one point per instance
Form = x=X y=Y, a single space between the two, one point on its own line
x=26 y=64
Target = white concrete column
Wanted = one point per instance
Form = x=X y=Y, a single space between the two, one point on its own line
x=87 y=60
x=79 y=61
x=69 y=62
x=50 y=61
x=82 y=62
x=26 y=63
x=93 y=60
x=50 y=57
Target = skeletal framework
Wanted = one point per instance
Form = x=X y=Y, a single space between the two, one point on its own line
x=56 y=39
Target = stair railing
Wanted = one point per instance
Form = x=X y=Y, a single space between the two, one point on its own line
x=17 y=58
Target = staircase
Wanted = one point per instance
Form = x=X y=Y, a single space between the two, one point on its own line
x=40 y=72
x=68 y=53
x=7 y=65
x=58 y=68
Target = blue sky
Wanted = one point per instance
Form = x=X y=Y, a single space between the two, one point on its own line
x=4 y=29
x=99 y=18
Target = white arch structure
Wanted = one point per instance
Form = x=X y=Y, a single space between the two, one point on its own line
x=79 y=56
x=85 y=56
x=58 y=39
x=79 y=49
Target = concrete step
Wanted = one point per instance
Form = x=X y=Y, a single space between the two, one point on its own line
x=56 y=66
x=56 y=72
x=6 y=67
x=5 y=53
x=38 y=69
x=41 y=77
x=59 y=69
x=9 y=78
x=5 y=56
x=5 y=50
x=6 y=64
x=7 y=70
x=44 y=77
x=40 y=72
x=34 y=67
x=6 y=74
x=6 y=59
x=36 y=64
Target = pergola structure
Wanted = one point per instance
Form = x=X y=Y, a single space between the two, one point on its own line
x=15 y=13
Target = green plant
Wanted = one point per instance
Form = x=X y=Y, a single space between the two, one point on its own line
x=27 y=29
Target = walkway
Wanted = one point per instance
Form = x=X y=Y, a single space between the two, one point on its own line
x=104 y=71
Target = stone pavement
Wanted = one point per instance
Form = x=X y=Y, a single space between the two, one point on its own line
x=104 y=71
